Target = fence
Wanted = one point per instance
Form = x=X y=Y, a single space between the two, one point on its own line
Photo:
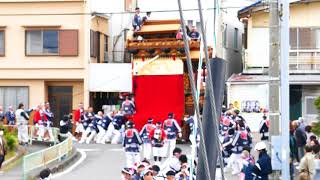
x=46 y=156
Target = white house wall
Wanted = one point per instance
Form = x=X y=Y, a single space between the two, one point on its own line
x=111 y=77
x=240 y=93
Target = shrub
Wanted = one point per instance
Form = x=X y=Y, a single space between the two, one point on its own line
x=10 y=136
x=316 y=127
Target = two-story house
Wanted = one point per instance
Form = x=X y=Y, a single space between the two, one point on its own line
x=249 y=90
x=44 y=53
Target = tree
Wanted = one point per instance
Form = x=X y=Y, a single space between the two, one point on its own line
x=316 y=128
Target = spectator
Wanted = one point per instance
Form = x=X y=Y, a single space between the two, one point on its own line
x=263 y=167
x=3 y=150
x=156 y=173
x=126 y=174
x=247 y=166
x=10 y=115
x=138 y=175
x=147 y=175
x=173 y=163
x=307 y=166
x=264 y=128
x=309 y=133
x=315 y=148
x=301 y=139
x=170 y=175
x=137 y=21
x=2 y=115
x=194 y=34
x=293 y=148
x=45 y=174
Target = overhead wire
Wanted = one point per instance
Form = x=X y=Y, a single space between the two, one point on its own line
x=113 y=13
x=210 y=80
x=193 y=90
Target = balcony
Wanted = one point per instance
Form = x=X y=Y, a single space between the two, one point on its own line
x=301 y=61
x=304 y=61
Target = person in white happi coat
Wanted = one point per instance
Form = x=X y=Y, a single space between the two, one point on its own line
x=22 y=123
x=144 y=133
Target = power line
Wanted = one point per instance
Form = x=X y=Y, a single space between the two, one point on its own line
x=111 y=13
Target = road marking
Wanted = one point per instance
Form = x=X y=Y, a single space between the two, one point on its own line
x=90 y=150
x=116 y=150
x=82 y=158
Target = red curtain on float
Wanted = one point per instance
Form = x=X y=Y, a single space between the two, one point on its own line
x=157 y=95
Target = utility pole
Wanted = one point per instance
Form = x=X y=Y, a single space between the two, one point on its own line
x=284 y=62
x=274 y=55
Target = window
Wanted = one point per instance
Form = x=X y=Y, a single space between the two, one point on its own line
x=304 y=38
x=1 y=43
x=42 y=42
x=12 y=96
x=310 y=107
x=52 y=42
x=225 y=34
x=235 y=38
x=106 y=39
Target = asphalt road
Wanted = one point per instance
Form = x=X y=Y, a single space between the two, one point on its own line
x=104 y=162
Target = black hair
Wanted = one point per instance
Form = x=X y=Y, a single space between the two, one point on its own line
x=177 y=150
x=264 y=117
x=170 y=173
x=145 y=161
x=149 y=12
x=141 y=166
x=183 y=158
x=137 y=8
x=45 y=173
x=312 y=137
x=155 y=168
x=20 y=105
x=308 y=129
x=308 y=149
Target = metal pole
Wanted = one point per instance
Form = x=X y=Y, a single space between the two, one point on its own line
x=193 y=87
x=284 y=33
x=216 y=115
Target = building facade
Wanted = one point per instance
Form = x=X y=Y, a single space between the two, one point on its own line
x=252 y=85
x=43 y=54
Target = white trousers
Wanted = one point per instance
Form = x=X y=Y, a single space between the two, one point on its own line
x=112 y=135
x=85 y=135
x=169 y=146
x=132 y=158
x=100 y=135
x=49 y=129
x=159 y=151
x=235 y=163
x=147 y=148
x=23 y=133
x=41 y=131
x=91 y=136
x=79 y=128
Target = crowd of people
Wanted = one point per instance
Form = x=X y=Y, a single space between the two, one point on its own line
x=237 y=143
x=42 y=121
x=304 y=149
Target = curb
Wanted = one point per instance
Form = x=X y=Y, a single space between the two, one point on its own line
x=59 y=166
x=21 y=152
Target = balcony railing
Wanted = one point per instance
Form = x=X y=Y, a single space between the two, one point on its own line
x=304 y=61
x=300 y=61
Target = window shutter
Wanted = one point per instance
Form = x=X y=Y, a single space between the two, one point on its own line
x=293 y=38
x=96 y=43
x=68 y=42
x=305 y=38
x=91 y=43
